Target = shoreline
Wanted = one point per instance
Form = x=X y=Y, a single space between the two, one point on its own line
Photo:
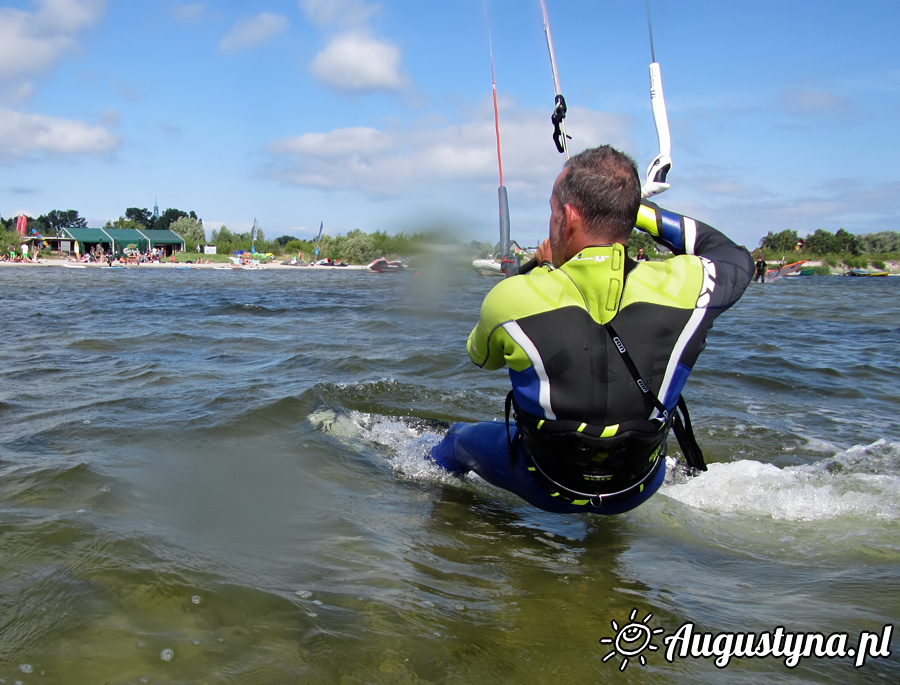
x=893 y=268
x=65 y=263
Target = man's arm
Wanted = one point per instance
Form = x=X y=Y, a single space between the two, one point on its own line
x=683 y=235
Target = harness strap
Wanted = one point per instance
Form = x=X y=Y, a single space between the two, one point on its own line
x=512 y=446
x=684 y=432
x=649 y=395
x=681 y=424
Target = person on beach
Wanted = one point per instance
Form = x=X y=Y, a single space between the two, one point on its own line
x=598 y=346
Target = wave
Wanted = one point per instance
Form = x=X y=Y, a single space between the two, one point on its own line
x=862 y=482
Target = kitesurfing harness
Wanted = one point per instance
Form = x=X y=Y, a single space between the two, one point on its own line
x=592 y=465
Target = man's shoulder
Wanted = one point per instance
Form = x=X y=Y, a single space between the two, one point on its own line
x=540 y=290
x=675 y=281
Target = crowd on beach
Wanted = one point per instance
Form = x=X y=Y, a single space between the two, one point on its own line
x=129 y=257
x=25 y=254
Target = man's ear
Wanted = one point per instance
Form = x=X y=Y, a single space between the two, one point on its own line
x=574 y=221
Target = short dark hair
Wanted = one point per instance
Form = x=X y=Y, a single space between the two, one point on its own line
x=603 y=185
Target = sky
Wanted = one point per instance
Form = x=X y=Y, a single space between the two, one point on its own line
x=379 y=115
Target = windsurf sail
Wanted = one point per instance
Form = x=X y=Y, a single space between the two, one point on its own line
x=319 y=239
x=785 y=270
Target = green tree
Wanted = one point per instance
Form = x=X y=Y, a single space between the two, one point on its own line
x=844 y=241
x=283 y=240
x=640 y=239
x=122 y=222
x=820 y=242
x=883 y=242
x=223 y=235
x=168 y=217
x=57 y=219
x=189 y=229
x=782 y=242
x=358 y=248
x=138 y=216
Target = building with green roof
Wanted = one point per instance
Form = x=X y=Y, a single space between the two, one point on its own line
x=117 y=240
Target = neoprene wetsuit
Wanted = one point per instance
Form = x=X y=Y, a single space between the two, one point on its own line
x=598 y=353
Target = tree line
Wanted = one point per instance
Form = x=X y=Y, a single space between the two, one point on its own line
x=186 y=224
x=823 y=242
x=142 y=219
x=358 y=247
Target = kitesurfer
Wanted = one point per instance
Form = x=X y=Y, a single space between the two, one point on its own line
x=598 y=346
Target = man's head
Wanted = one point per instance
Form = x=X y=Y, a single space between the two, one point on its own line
x=599 y=193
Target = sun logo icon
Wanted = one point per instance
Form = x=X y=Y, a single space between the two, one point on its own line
x=631 y=640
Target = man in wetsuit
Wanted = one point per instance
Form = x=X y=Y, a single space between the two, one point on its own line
x=598 y=346
x=761 y=267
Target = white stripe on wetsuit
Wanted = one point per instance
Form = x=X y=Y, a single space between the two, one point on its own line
x=690 y=234
x=684 y=337
x=518 y=335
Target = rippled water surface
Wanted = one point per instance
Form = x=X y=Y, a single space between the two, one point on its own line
x=202 y=480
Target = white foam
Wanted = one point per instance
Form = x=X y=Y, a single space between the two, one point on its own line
x=863 y=481
x=409 y=449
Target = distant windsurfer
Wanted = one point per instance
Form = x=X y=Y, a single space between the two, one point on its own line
x=759 y=275
x=598 y=346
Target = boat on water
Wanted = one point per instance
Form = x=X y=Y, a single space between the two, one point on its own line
x=382 y=265
x=865 y=272
x=487 y=267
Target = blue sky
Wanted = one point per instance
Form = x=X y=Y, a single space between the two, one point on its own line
x=378 y=115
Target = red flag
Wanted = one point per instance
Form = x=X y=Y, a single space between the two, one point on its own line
x=21 y=224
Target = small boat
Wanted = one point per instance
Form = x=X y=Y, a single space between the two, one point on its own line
x=487 y=267
x=864 y=272
x=382 y=265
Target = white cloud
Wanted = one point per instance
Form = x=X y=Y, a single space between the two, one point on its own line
x=67 y=16
x=347 y=141
x=249 y=32
x=356 y=62
x=403 y=161
x=33 y=42
x=190 y=11
x=25 y=134
x=805 y=102
x=346 y=13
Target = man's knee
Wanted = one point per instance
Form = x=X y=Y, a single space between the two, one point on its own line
x=445 y=453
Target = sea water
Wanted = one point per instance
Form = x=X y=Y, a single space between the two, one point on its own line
x=202 y=479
